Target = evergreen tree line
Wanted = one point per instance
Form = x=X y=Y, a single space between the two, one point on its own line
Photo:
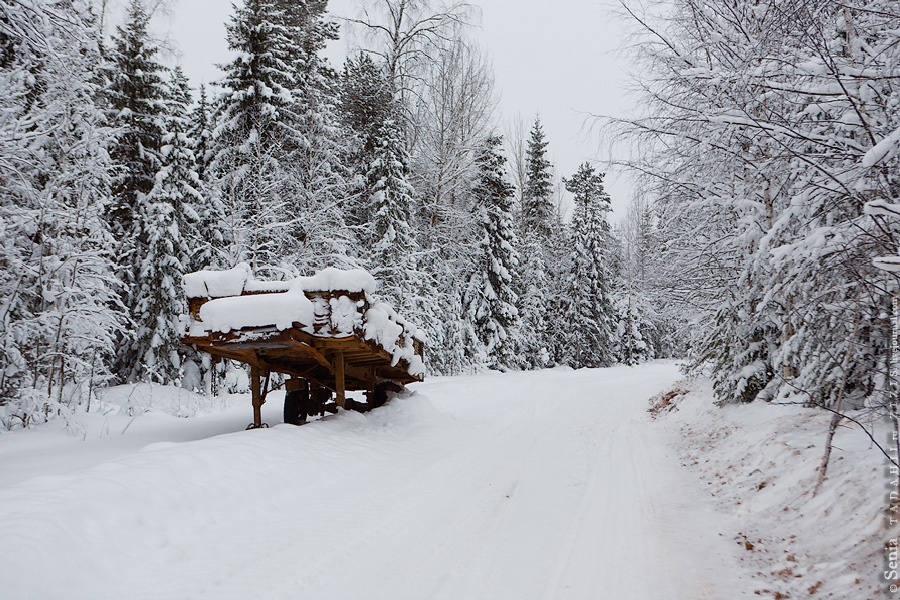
x=116 y=182
x=769 y=127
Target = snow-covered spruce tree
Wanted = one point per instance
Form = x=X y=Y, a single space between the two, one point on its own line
x=135 y=101
x=537 y=208
x=200 y=132
x=535 y=286
x=366 y=103
x=171 y=225
x=634 y=321
x=393 y=249
x=490 y=300
x=207 y=248
x=58 y=290
x=533 y=303
x=588 y=318
x=320 y=176
x=256 y=135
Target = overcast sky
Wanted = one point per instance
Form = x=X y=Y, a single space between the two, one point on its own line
x=557 y=58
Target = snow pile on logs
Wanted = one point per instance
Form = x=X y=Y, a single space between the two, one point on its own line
x=233 y=282
x=281 y=309
x=303 y=302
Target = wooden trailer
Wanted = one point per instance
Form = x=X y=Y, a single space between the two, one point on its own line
x=323 y=332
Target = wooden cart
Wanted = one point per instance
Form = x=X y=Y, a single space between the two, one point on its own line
x=338 y=349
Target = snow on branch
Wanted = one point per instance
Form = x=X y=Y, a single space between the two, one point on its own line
x=883 y=150
x=887 y=263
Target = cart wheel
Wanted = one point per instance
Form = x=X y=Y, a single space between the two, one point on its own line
x=295 y=402
x=382 y=389
x=318 y=398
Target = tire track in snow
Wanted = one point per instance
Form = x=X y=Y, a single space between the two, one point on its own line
x=547 y=484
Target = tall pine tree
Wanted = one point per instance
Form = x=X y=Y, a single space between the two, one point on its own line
x=171 y=227
x=588 y=316
x=256 y=135
x=490 y=301
x=135 y=97
x=393 y=243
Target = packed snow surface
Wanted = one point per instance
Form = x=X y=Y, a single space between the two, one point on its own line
x=760 y=461
x=549 y=484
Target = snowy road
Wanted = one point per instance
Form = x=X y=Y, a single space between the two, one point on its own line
x=541 y=485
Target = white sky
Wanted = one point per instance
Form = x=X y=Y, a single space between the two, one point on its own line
x=553 y=57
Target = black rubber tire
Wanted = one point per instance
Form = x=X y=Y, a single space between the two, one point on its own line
x=382 y=389
x=295 y=403
x=318 y=397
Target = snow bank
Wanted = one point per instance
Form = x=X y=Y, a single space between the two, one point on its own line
x=760 y=462
x=139 y=398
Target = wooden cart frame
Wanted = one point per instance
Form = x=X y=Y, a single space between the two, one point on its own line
x=324 y=358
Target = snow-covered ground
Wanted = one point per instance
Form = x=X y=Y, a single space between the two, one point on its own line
x=760 y=462
x=551 y=484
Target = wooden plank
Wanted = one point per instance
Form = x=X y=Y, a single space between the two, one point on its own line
x=313 y=353
x=339 y=379
x=329 y=343
x=360 y=373
x=256 y=395
x=296 y=352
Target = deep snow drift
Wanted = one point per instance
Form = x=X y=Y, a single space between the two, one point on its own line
x=551 y=484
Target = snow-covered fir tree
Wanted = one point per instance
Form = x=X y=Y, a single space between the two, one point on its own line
x=255 y=135
x=632 y=323
x=588 y=317
x=533 y=303
x=490 y=302
x=537 y=208
x=135 y=98
x=536 y=298
x=207 y=249
x=200 y=132
x=171 y=226
x=393 y=248
x=366 y=103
